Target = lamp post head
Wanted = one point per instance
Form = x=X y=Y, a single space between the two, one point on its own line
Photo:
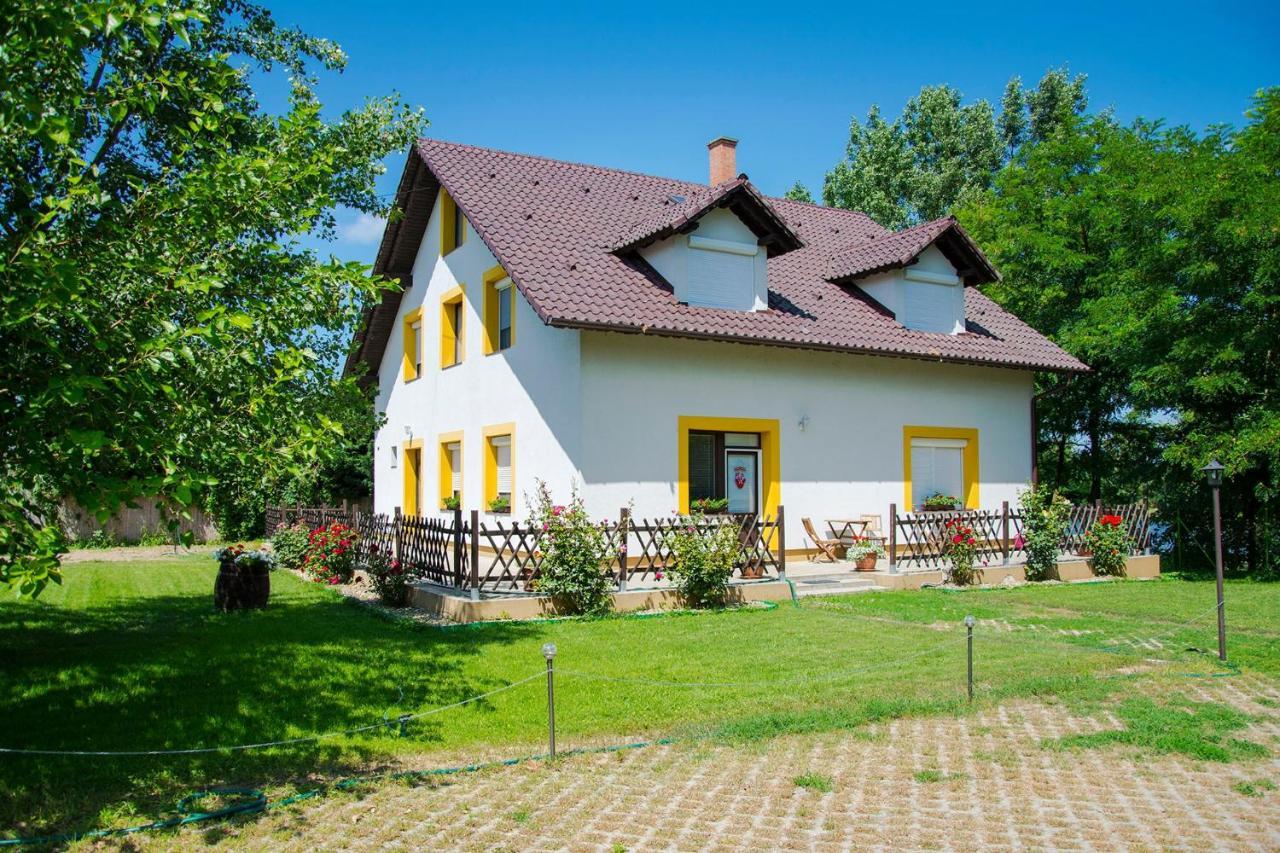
x=969 y=621
x=549 y=651
x=1213 y=473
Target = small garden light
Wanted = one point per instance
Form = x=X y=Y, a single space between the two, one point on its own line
x=549 y=651
x=969 y=621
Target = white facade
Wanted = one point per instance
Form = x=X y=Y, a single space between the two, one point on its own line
x=603 y=409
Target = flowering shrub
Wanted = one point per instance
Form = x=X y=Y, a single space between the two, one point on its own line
x=961 y=550
x=703 y=553
x=572 y=551
x=331 y=555
x=387 y=577
x=289 y=542
x=939 y=501
x=709 y=505
x=1044 y=518
x=1109 y=541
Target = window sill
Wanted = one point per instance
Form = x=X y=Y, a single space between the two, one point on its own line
x=447 y=366
x=412 y=379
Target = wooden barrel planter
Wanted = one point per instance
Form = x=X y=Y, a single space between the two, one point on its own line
x=240 y=588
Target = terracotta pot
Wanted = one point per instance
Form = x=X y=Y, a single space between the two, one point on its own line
x=752 y=571
x=867 y=563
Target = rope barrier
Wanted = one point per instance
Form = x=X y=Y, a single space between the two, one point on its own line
x=386 y=723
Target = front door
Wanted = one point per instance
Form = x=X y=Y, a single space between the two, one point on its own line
x=742 y=480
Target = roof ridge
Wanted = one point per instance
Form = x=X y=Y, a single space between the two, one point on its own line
x=843 y=211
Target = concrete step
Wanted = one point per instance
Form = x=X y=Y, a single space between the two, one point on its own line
x=842 y=584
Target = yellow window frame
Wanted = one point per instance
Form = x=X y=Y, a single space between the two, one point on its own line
x=490 y=309
x=446 y=466
x=969 y=459
x=449 y=214
x=491 y=460
x=411 y=457
x=770 y=467
x=449 y=334
x=411 y=344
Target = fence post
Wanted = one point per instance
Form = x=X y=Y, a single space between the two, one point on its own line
x=893 y=537
x=624 y=525
x=397 y=544
x=782 y=543
x=457 y=548
x=475 y=555
x=1004 y=531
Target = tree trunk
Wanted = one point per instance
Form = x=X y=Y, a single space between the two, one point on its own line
x=1095 y=454
x=1061 y=464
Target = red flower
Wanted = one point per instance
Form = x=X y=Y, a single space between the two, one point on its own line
x=969 y=541
x=957 y=538
x=1111 y=520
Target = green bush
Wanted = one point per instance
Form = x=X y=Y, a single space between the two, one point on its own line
x=573 y=552
x=289 y=543
x=1109 y=541
x=1044 y=518
x=387 y=577
x=703 y=553
x=961 y=550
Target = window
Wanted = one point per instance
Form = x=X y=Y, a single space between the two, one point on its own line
x=451 y=342
x=450 y=467
x=940 y=460
x=413 y=344
x=932 y=302
x=499 y=467
x=453 y=224
x=499 y=311
x=729 y=458
x=721 y=274
x=412 y=479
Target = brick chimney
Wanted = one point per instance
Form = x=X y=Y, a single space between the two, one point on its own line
x=724 y=165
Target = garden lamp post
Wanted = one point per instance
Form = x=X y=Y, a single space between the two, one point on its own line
x=549 y=652
x=1213 y=474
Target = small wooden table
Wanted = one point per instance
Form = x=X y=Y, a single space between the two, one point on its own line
x=844 y=529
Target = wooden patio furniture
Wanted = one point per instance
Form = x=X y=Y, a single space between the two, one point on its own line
x=872 y=530
x=825 y=547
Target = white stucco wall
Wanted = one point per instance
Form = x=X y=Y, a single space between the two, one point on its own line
x=849 y=458
x=534 y=384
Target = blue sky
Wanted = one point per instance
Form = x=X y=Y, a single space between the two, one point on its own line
x=645 y=86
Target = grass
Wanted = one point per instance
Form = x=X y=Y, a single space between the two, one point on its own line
x=815 y=782
x=1194 y=729
x=1257 y=788
x=929 y=776
x=130 y=656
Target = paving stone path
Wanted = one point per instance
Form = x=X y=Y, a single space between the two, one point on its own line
x=978 y=782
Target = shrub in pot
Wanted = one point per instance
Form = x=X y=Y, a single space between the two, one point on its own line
x=500 y=504
x=244 y=578
x=938 y=502
x=572 y=553
x=864 y=553
x=289 y=543
x=451 y=503
x=1108 y=540
x=709 y=506
x=703 y=554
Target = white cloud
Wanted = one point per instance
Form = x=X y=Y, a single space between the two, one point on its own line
x=364 y=229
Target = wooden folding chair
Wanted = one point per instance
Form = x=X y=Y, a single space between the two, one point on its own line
x=873 y=531
x=826 y=547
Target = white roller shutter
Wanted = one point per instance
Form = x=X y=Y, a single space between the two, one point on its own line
x=455 y=467
x=719 y=279
x=929 y=307
x=937 y=467
x=502 y=451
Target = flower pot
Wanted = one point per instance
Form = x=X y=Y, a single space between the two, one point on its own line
x=867 y=563
x=238 y=588
x=752 y=572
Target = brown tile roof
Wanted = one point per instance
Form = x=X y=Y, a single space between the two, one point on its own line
x=900 y=248
x=681 y=213
x=554 y=226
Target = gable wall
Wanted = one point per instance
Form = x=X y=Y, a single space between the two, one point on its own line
x=534 y=385
x=673 y=259
x=888 y=288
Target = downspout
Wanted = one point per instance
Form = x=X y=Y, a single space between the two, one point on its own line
x=1035 y=425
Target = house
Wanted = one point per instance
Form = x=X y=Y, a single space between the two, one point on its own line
x=658 y=341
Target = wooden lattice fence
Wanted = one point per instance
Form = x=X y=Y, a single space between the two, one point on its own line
x=918 y=539
x=467 y=553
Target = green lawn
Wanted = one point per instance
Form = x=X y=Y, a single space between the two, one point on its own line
x=130 y=656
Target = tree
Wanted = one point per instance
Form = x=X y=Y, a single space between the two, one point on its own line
x=161 y=327
x=799 y=192
x=941 y=151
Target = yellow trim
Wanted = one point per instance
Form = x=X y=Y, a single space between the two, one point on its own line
x=446 y=469
x=411 y=458
x=490 y=310
x=968 y=434
x=771 y=469
x=448 y=334
x=449 y=214
x=411 y=344
x=491 y=461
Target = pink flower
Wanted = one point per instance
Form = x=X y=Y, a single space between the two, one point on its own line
x=657 y=576
x=334 y=580
x=556 y=510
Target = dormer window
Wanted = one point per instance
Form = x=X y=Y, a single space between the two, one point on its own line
x=932 y=302
x=721 y=274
